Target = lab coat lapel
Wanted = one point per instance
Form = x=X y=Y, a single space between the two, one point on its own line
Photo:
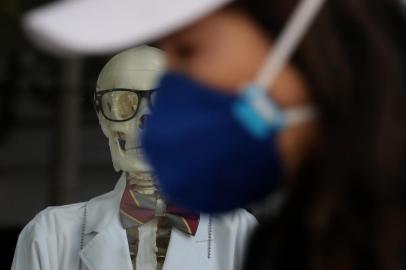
x=108 y=249
x=189 y=252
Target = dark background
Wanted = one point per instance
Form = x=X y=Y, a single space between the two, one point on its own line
x=52 y=150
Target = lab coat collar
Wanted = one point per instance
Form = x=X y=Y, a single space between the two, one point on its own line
x=102 y=210
x=108 y=249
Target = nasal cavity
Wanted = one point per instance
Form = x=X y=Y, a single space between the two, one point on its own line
x=143 y=121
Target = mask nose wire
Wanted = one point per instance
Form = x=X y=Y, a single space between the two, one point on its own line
x=297 y=26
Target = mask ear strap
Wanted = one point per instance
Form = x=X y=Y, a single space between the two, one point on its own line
x=255 y=110
x=298 y=24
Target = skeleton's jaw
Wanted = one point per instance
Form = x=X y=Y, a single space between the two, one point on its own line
x=126 y=158
x=137 y=171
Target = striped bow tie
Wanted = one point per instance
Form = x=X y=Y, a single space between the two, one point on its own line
x=137 y=209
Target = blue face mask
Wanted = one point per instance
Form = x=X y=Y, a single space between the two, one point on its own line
x=213 y=152
x=204 y=158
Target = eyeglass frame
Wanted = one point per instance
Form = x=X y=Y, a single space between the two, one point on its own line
x=97 y=100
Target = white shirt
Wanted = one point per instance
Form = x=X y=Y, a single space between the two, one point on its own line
x=52 y=240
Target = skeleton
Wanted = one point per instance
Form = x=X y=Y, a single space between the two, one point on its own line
x=122 y=115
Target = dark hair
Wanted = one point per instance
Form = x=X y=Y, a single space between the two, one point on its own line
x=349 y=209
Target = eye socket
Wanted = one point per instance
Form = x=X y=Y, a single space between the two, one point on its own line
x=127 y=104
x=119 y=105
x=184 y=51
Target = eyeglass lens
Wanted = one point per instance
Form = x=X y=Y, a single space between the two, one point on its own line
x=119 y=105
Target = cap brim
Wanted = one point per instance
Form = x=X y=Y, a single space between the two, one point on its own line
x=106 y=26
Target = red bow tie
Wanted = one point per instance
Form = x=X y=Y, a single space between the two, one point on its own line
x=137 y=209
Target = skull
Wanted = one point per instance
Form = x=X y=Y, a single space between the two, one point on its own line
x=124 y=95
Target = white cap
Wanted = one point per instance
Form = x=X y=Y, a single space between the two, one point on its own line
x=106 y=26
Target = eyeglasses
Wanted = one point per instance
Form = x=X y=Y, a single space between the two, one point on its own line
x=129 y=102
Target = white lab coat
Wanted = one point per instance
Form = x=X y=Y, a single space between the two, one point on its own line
x=52 y=240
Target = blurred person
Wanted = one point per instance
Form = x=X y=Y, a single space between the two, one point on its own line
x=344 y=166
x=133 y=226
